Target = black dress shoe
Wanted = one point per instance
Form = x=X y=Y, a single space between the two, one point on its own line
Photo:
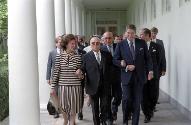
x=103 y=123
x=125 y=123
x=147 y=119
x=56 y=115
x=109 y=122
x=152 y=114
x=129 y=116
x=80 y=116
x=114 y=115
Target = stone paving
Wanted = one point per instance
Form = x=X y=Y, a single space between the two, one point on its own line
x=166 y=115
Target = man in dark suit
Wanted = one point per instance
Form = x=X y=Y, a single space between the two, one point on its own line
x=96 y=65
x=132 y=56
x=50 y=64
x=162 y=68
x=149 y=89
x=116 y=94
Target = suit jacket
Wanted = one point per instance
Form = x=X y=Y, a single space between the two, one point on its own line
x=163 y=61
x=91 y=67
x=156 y=56
x=142 y=60
x=115 y=70
x=80 y=46
x=51 y=63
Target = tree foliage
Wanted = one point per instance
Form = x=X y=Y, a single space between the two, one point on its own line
x=3 y=16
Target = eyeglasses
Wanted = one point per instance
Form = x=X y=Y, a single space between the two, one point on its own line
x=108 y=38
x=95 y=43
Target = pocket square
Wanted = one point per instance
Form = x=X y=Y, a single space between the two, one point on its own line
x=141 y=49
x=154 y=50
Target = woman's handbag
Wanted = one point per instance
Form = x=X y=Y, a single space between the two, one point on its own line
x=51 y=109
x=53 y=104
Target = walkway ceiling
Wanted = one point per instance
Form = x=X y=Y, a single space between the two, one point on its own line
x=106 y=4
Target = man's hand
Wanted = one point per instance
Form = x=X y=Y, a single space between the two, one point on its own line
x=150 y=75
x=130 y=68
x=49 y=82
x=79 y=74
x=52 y=92
x=123 y=63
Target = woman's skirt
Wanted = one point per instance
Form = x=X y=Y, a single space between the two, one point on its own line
x=70 y=98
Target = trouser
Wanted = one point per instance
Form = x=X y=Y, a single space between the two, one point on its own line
x=99 y=103
x=131 y=100
x=149 y=97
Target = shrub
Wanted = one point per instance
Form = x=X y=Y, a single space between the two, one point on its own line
x=4 y=88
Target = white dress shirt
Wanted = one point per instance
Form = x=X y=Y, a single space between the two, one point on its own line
x=110 y=48
x=58 y=50
x=148 y=44
x=97 y=55
x=129 y=42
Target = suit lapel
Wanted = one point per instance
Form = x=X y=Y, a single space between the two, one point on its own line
x=150 y=47
x=103 y=61
x=54 y=53
x=93 y=58
x=136 y=48
x=127 y=48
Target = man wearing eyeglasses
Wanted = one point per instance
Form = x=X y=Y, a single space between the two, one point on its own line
x=116 y=94
x=96 y=65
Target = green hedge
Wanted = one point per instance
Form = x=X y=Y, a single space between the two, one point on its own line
x=4 y=87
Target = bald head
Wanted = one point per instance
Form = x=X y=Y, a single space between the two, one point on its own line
x=108 y=38
x=94 y=39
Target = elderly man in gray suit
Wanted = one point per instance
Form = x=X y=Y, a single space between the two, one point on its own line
x=51 y=62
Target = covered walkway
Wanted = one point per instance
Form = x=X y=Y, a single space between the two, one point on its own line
x=34 y=24
x=166 y=115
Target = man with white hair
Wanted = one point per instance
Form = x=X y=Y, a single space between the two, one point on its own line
x=96 y=65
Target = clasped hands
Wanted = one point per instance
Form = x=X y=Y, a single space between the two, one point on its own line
x=132 y=67
x=127 y=67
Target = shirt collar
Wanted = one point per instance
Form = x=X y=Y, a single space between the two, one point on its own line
x=130 y=41
x=97 y=52
x=154 y=40
x=149 y=42
x=58 y=50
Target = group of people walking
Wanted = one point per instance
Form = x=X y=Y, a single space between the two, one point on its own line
x=126 y=71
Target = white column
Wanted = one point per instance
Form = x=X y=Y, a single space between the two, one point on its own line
x=68 y=17
x=89 y=24
x=78 y=20
x=46 y=43
x=59 y=8
x=23 y=63
x=73 y=11
x=83 y=21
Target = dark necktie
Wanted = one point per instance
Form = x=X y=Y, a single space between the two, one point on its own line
x=132 y=49
x=110 y=49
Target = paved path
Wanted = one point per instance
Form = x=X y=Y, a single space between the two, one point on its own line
x=167 y=115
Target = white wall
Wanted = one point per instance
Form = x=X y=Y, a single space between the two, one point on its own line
x=174 y=30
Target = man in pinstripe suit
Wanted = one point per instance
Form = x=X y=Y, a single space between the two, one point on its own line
x=51 y=62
